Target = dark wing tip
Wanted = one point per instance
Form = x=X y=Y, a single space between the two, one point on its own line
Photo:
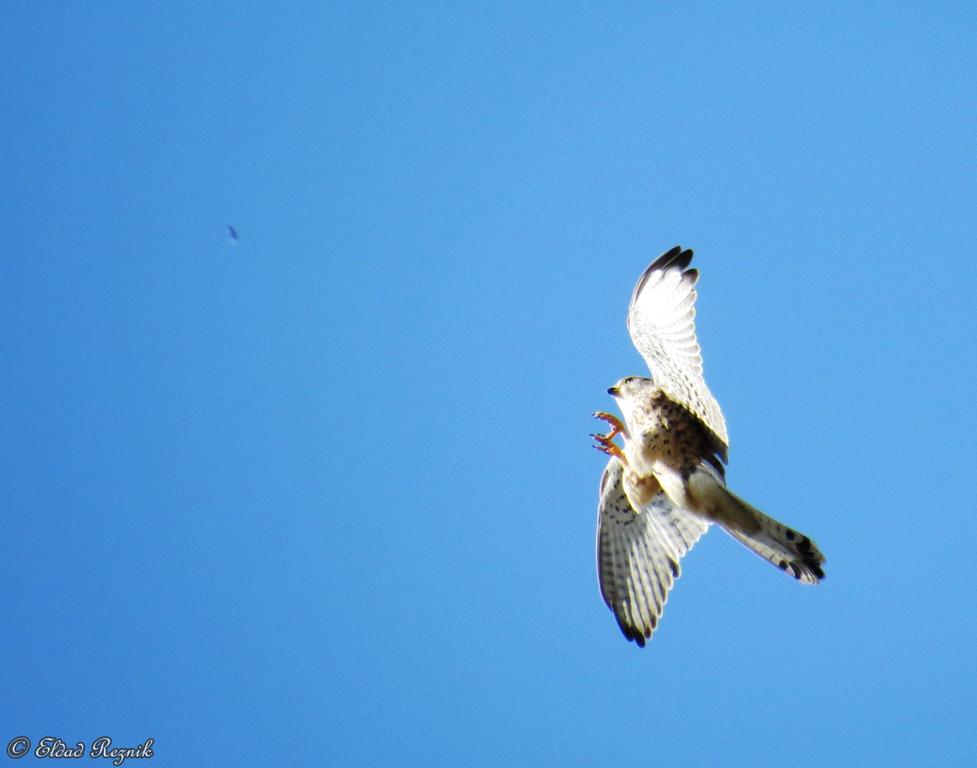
x=631 y=633
x=674 y=257
x=677 y=256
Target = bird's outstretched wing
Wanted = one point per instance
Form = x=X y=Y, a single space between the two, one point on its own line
x=661 y=320
x=638 y=554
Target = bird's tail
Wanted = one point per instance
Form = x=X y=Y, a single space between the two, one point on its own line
x=789 y=550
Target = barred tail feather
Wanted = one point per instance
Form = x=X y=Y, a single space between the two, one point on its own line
x=788 y=549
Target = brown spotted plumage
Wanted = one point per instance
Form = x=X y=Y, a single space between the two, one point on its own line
x=667 y=484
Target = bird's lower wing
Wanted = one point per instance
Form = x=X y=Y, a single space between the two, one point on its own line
x=638 y=553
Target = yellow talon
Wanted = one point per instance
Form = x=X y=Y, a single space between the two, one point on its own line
x=606 y=445
x=617 y=427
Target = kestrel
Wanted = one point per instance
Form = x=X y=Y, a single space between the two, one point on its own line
x=662 y=490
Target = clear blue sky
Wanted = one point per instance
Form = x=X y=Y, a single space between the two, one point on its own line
x=327 y=496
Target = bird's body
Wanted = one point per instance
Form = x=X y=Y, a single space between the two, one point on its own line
x=664 y=443
x=661 y=492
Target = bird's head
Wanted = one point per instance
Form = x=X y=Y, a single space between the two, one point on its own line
x=630 y=387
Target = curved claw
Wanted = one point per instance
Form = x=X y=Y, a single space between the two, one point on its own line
x=617 y=428
x=606 y=445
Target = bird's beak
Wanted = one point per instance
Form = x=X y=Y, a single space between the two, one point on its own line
x=612 y=391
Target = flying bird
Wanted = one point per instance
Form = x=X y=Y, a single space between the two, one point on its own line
x=661 y=491
x=233 y=233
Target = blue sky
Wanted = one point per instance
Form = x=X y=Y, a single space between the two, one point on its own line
x=326 y=496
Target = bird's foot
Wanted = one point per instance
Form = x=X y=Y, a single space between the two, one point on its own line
x=617 y=428
x=605 y=444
